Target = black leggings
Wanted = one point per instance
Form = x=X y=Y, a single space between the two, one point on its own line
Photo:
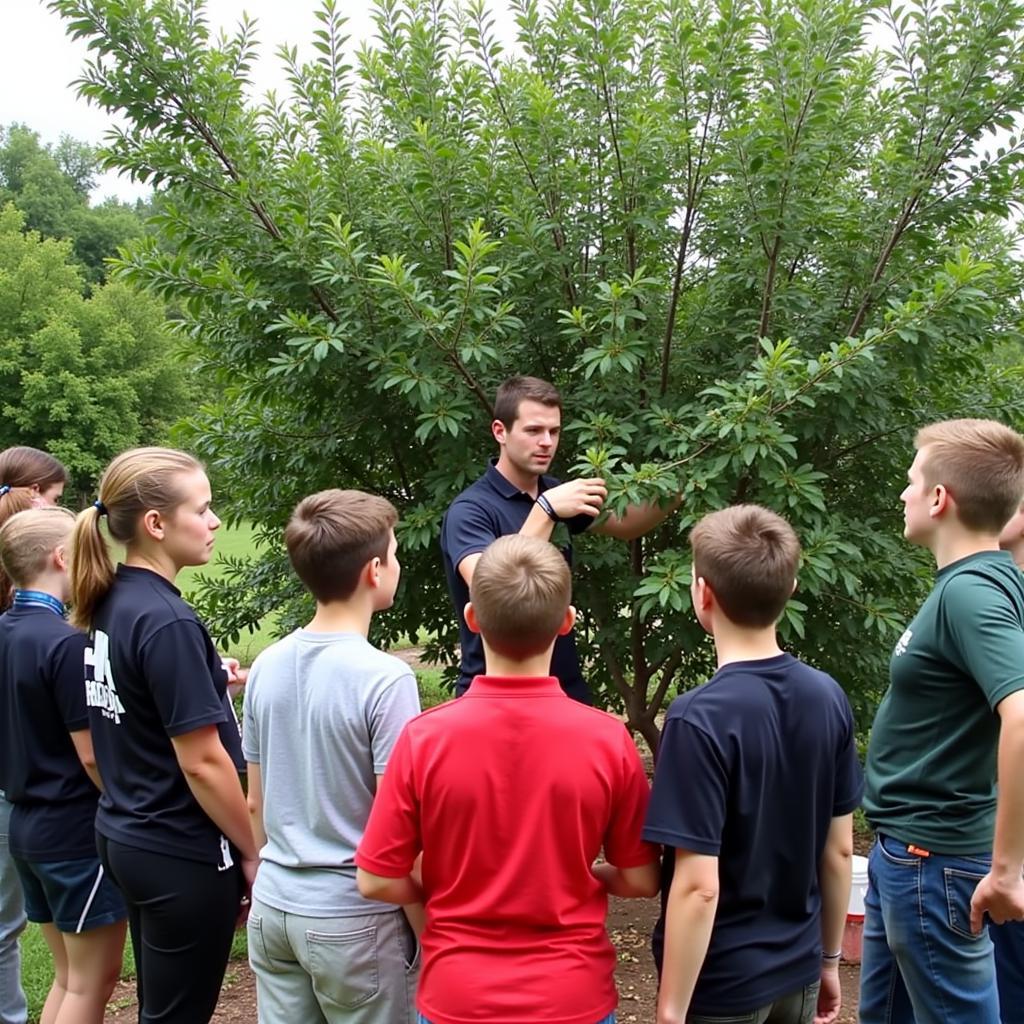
x=182 y=916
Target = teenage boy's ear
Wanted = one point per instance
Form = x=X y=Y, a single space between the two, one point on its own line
x=499 y=431
x=941 y=500
x=568 y=622
x=59 y=558
x=704 y=596
x=371 y=573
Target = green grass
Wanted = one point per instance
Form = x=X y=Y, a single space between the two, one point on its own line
x=232 y=542
x=432 y=690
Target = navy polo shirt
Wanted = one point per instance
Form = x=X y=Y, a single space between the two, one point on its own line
x=42 y=700
x=490 y=508
x=152 y=673
x=752 y=768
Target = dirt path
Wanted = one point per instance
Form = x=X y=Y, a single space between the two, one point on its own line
x=629 y=925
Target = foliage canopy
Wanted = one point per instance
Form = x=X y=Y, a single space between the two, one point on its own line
x=82 y=378
x=754 y=243
x=51 y=187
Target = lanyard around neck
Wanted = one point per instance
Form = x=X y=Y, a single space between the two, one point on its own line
x=38 y=599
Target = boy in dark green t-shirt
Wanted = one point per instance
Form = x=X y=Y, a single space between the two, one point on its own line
x=947 y=851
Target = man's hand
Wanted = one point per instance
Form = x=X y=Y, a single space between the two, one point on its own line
x=830 y=995
x=999 y=896
x=577 y=497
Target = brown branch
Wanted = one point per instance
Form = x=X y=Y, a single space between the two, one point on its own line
x=668 y=672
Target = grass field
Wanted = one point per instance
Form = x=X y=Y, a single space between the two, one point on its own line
x=235 y=541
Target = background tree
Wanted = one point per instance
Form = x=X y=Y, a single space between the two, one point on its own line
x=83 y=378
x=755 y=245
x=51 y=185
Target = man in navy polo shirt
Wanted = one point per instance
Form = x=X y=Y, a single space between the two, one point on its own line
x=515 y=495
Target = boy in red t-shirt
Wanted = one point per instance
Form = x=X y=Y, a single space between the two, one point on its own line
x=510 y=794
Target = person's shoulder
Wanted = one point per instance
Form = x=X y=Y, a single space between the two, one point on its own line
x=384 y=666
x=47 y=632
x=477 y=491
x=143 y=595
x=267 y=661
x=981 y=583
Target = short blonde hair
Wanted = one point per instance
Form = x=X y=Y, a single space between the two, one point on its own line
x=520 y=591
x=28 y=539
x=981 y=464
x=749 y=556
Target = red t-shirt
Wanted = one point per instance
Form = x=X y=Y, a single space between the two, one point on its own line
x=511 y=792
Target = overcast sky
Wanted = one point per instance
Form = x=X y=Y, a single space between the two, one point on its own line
x=38 y=62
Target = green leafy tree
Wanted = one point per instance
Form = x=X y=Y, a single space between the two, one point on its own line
x=83 y=378
x=754 y=244
x=51 y=186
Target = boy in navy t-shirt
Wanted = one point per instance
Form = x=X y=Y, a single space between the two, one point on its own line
x=755 y=786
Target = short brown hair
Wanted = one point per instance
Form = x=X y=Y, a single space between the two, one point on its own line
x=520 y=591
x=333 y=534
x=517 y=390
x=28 y=538
x=748 y=555
x=21 y=469
x=981 y=464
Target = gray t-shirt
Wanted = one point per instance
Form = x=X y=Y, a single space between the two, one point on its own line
x=322 y=712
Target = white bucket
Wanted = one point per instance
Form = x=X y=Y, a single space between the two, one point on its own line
x=859 y=888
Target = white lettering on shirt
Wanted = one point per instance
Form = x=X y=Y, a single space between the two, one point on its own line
x=904 y=642
x=101 y=691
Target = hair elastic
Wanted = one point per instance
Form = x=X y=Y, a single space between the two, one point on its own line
x=100 y=507
x=4 y=488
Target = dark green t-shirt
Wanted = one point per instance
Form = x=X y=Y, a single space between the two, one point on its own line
x=931 y=762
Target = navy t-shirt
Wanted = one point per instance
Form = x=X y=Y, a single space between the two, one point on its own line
x=152 y=673
x=752 y=768
x=42 y=700
x=490 y=508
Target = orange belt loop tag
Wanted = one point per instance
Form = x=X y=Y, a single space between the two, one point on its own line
x=918 y=851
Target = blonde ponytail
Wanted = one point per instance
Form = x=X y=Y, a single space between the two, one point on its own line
x=92 y=571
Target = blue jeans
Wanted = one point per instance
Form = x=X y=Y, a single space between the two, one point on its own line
x=12 y=920
x=920 y=963
x=1008 y=940
x=610 y=1019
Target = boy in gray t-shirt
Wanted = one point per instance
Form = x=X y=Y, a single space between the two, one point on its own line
x=323 y=709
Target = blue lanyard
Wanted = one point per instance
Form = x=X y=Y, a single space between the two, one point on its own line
x=38 y=599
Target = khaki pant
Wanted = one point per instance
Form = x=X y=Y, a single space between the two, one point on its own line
x=333 y=970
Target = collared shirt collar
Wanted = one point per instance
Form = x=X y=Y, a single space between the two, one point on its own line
x=515 y=686
x=505 y=487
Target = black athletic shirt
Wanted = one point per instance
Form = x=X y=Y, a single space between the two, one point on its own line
x=42 y=700
x=751 y=769
x=152 y=673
